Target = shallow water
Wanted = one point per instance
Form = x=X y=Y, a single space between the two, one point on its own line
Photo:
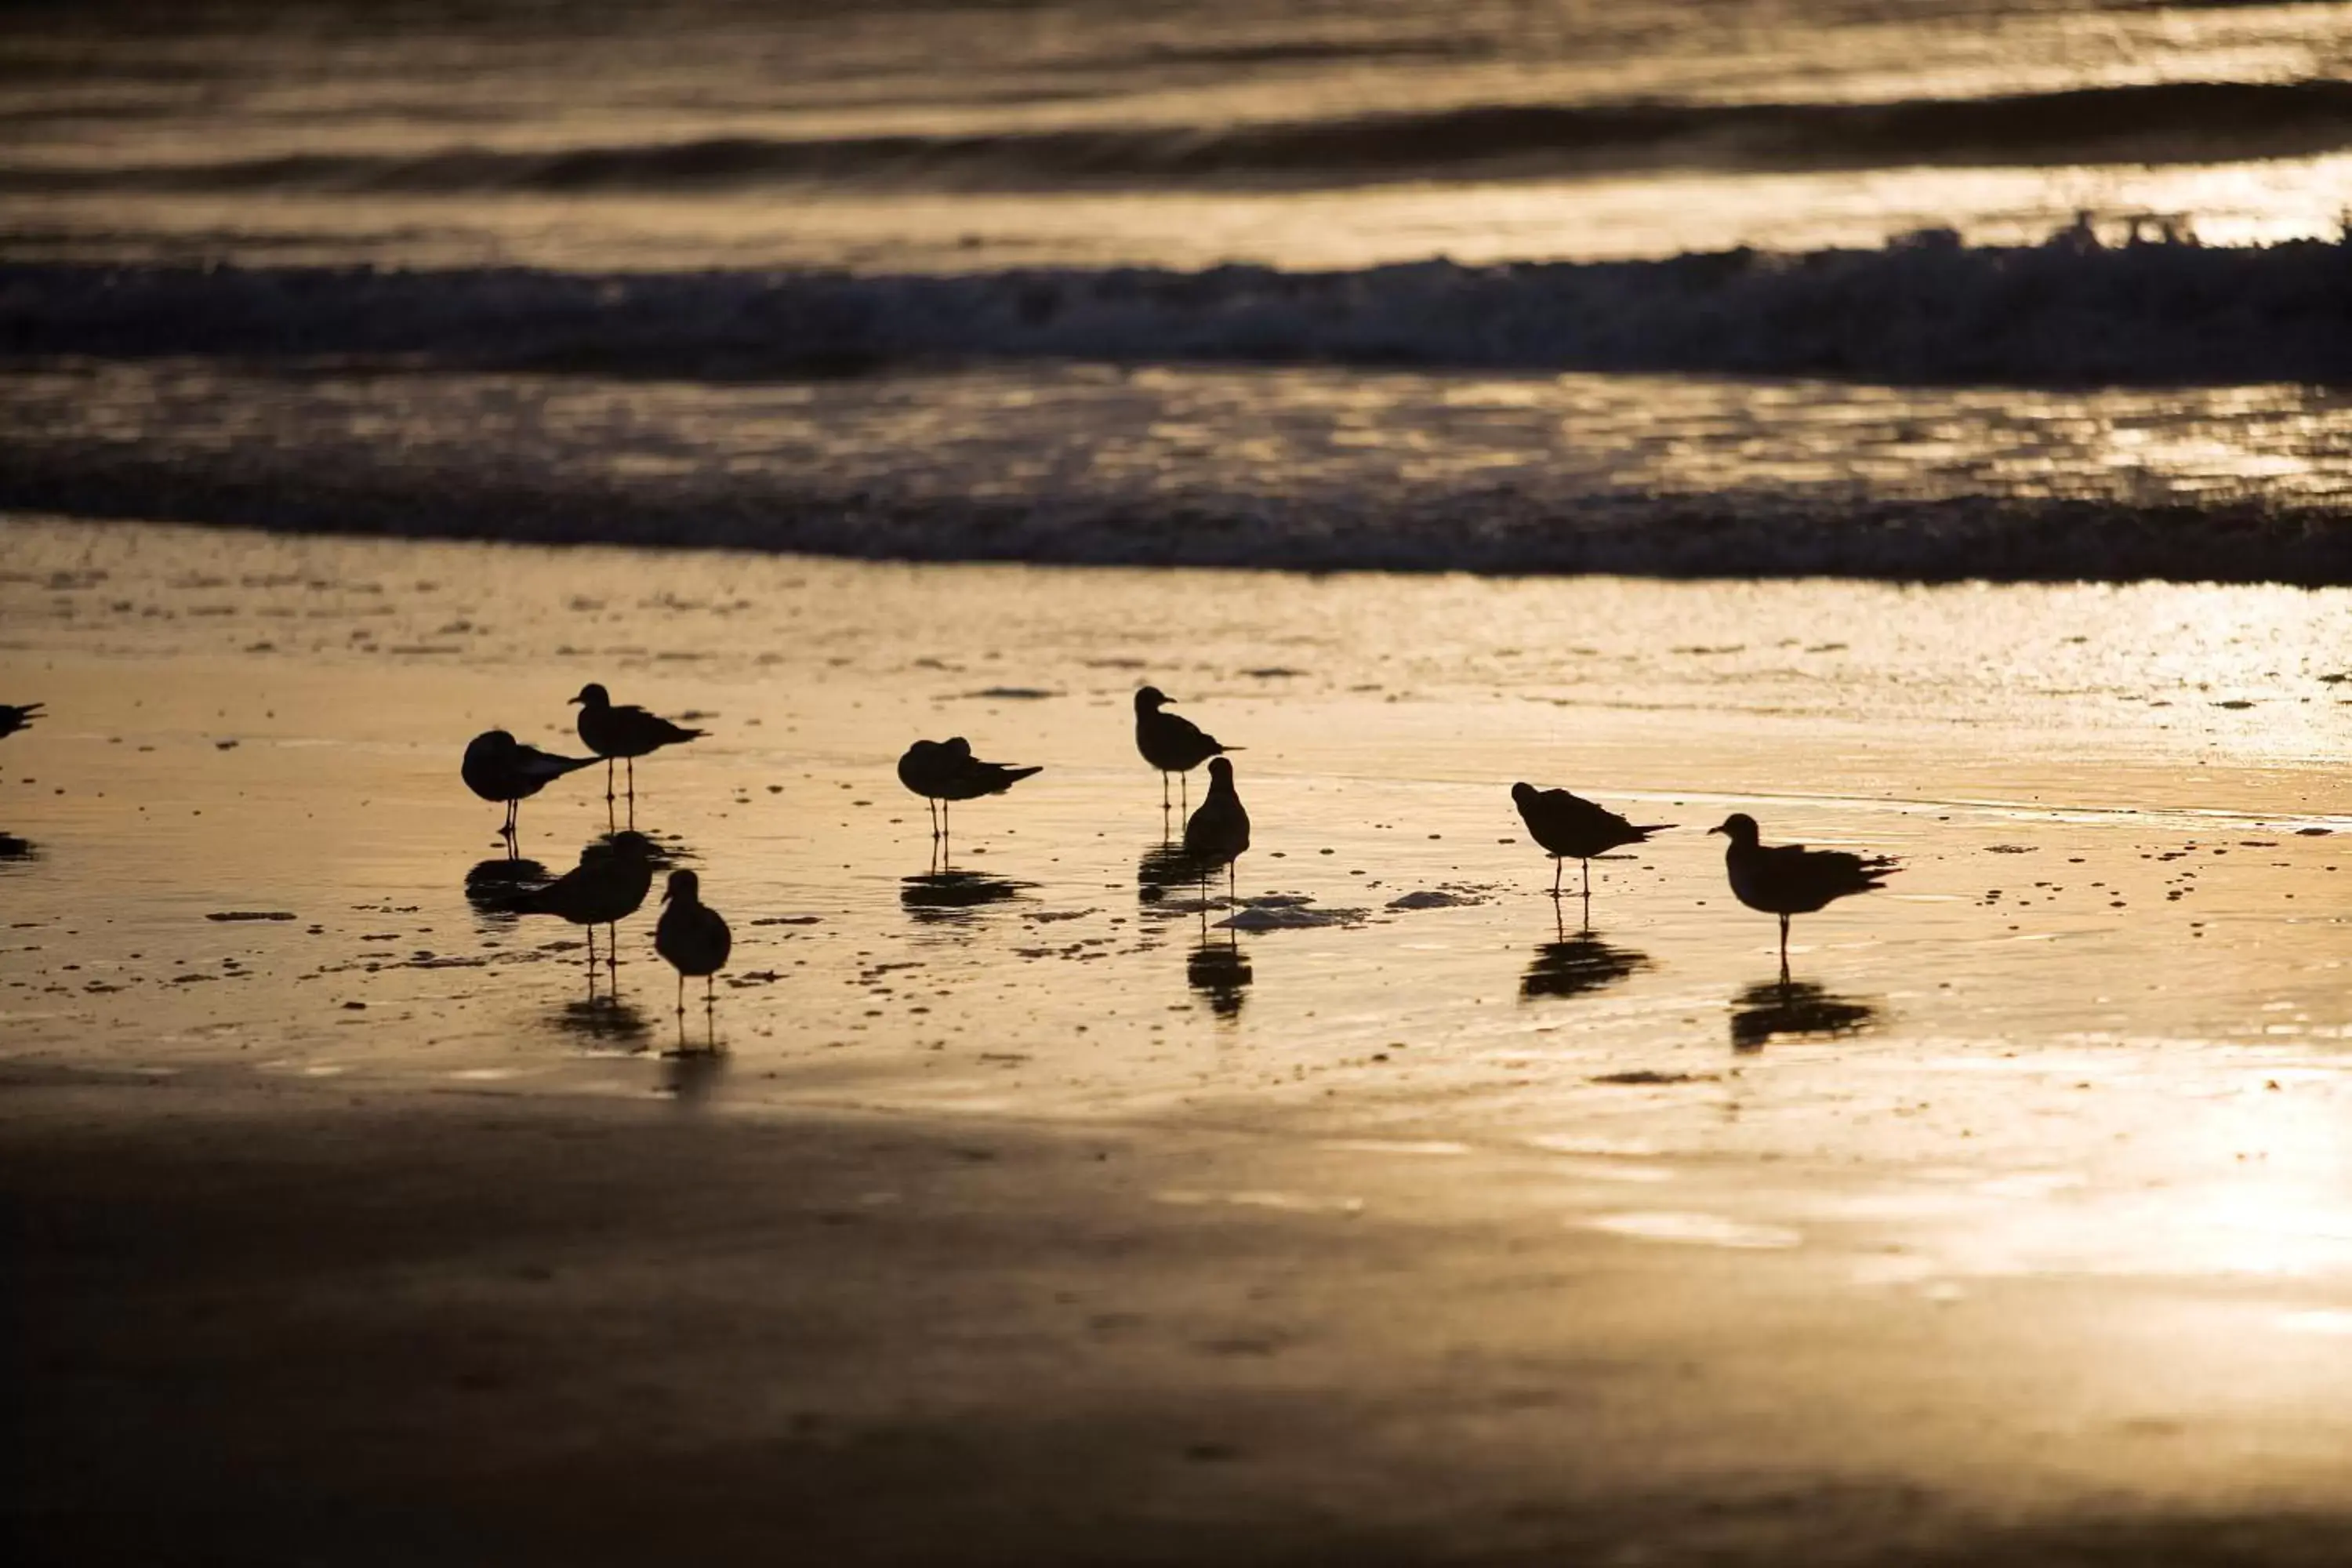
x=2097 y=1021
x=945 y=135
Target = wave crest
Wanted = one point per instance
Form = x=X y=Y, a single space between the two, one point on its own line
x=1924 y=310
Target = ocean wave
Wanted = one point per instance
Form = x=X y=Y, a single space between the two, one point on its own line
x=2170 y=122
x=1925 y=309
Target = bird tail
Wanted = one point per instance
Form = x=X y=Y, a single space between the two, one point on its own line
x=528 y=901
x=1014 y=775
x=1877 y=867
x=1647 y=828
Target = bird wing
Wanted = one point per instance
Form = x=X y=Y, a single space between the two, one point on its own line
x=654 y=727
x=536 y=764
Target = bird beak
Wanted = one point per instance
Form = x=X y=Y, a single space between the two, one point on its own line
x=571 y=702
x=1716 y=829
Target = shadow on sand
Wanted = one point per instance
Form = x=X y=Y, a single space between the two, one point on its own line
x=15 y=849
x=1774 y=1008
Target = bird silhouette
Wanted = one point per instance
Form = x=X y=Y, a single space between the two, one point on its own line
x=695 y=940
x=626 y=732
x=1571 y=828
x=606 y=888
x=1219 y=833
x=944 y=771
x=1173 y=744
x=498 y=767
x=17 y=716
x=1786 y=879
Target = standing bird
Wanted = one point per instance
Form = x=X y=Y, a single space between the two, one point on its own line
x=627 y=733
x=1218 y=834
x=1571 y=828
x=695 y=940
x=1171 y=744
x=15 y=718
x=1786 y=879
x=606 y=888
x=498 y=767
x=943 y=770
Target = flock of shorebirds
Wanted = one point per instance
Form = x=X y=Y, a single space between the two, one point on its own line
x=616 y=873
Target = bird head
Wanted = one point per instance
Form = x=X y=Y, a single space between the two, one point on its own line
x=1739 y=827
x=1151 y=700
x=592 y=696
x=956 y=746
x=685 y=888
x=1523 y=793
x=1221 y=771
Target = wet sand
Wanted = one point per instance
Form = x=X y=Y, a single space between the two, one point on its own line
x=1432 y=1230
x=288 y=1324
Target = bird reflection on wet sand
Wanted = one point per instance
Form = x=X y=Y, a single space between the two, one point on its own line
x=14 y=848
x=1218 y=971
x=691 y=1075
x=490 y=885
x=1164 y=866
x=1576 y=964
x=1771 y=1008
x=605 y=1024
x=943 y=897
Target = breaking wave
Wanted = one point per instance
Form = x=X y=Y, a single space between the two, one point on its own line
x=1923 y=310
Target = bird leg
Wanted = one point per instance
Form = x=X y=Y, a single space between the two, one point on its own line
x=1784 y=950
x=1232 y=884
x=592 y=962
x=613 y=951
x=681 y=1004
x=608 y=783
x=1558 y=868
x=1587 y=880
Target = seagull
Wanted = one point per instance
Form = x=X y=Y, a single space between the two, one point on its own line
x=498 y=767
x=1786 y=879
x=693 y=937
x=1171 y=744
x=606 y=888
x=943 y=770
x=15 y=718
x=1218 y=834
x=627 y=733
x=1571 y=828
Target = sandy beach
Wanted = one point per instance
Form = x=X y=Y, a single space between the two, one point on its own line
x=1033 y=1211
x=287 y=1323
